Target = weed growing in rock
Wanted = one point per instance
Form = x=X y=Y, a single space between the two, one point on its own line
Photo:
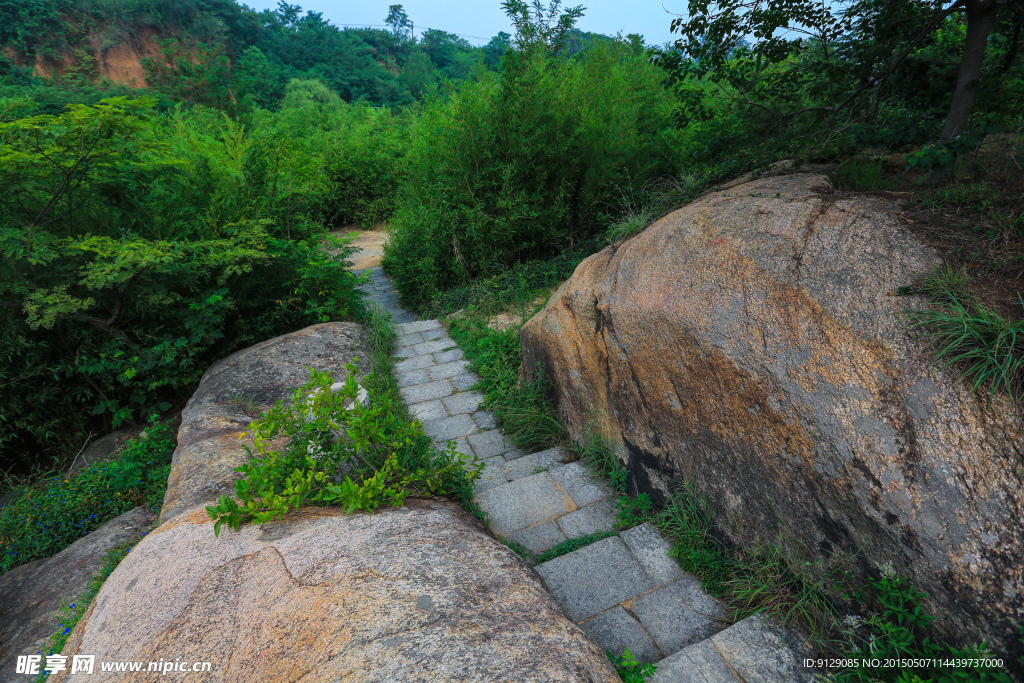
x=630 y=670
x=633 y=511
x=339 y=452
x=899 y=632
x=986 y=346
x=46 y=518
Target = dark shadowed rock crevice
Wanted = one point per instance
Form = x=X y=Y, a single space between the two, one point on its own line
x=31 y=595
x=751 y=343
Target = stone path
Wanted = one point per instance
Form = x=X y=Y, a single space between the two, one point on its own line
x=623 y=591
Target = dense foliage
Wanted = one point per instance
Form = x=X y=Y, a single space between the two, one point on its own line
x=524 y=164
x=341 y=452
x=135 y=249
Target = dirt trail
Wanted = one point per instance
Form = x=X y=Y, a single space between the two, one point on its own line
x=370 y=242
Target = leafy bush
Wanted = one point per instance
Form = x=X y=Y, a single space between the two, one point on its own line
x=45 y=518
x=630 y=670
x=134 y=251
x=339 y=453
x=521 y=166
x=899 y=632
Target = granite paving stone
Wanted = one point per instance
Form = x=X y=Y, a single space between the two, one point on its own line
x=492 y=476
x=762 y=651
x=429 y=335
x=428 y=410
x=424 y=392
x=447 y=428
x=579 y=483
x=593 y=578
x=539 y=537
x=414 y=363
x=616 y=630
x=490 y=443
x=445 y=370
x=523 y=502
x=433 y=346
x=485 y=419
x=679 y=614
x=404 y=352
x=418 y=326
x=652 y=550
x=518 y=468
x=409 y=339
x=464 y=381
x=410 y=377
x=463 y=402
x=599 y=516
x=448 y=356
x=699 y=663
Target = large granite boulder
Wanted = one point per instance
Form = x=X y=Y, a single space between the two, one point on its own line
x=31 y=595
x=417 y=593
x=750 y=343
x=234 y=390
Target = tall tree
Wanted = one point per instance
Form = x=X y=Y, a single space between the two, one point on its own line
x=868 y=40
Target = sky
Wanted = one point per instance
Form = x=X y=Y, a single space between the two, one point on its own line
x=479 y=20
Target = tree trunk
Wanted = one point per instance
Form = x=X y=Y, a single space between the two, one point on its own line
x=981 y=16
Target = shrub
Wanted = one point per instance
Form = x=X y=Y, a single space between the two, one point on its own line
x=135 y=250
x=522 y=166
x=338 y=453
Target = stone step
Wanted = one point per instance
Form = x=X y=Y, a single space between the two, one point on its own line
x=540 y=507
x=625 y=591
x=754 y=650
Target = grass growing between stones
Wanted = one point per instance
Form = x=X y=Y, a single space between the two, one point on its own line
x=523 y=411
x=50 y=515
x=568 y=546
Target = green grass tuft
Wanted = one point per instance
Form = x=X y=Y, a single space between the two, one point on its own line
x=522 y=410
x=566 y=547
x=985 y=346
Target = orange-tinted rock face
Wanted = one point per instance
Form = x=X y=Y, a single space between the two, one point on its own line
x=750 y=344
